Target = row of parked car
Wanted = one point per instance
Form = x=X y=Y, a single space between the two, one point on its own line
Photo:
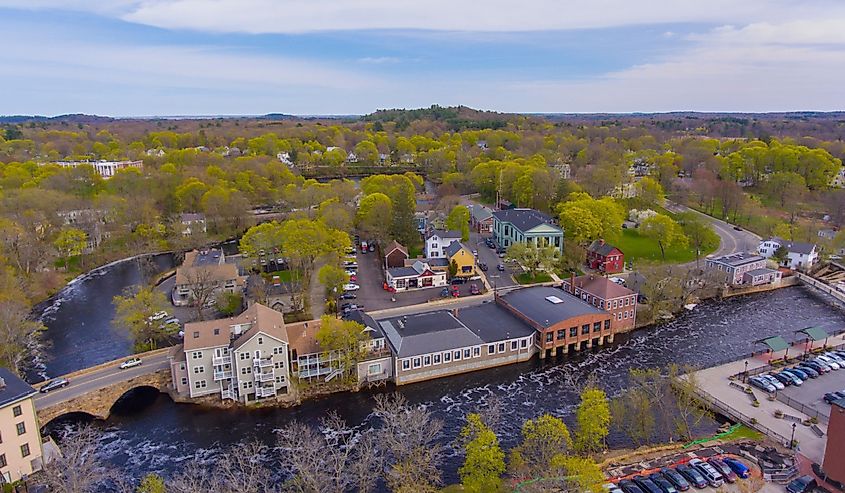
x=796 y=375
x=696 y=473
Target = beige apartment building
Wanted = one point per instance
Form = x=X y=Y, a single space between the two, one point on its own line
x=205 y=271
x=242 y=358
x=21 y=452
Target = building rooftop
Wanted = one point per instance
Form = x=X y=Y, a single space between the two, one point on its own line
x=192 y=217
x=216 y=333
x=395 y=245
x=493 y=323
x=444 y=234
x=794 y=246
x=454 y=248
x=523 y=219
x=602 y=248
x=429 y=332
x=205 y=266
x=548 y=306
x=738 y=259
x=366 y=320
x=13 y=388
x=480 y=213
x=760 y=272
x=600 y=286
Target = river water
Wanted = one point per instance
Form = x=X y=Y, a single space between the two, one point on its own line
x=149 y=432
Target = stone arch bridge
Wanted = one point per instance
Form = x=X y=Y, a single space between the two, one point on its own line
x=94 y=390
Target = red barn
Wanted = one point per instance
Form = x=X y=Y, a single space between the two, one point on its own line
x=605 y=257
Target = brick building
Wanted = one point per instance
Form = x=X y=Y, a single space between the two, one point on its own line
x=600 y=292
x=834 y=453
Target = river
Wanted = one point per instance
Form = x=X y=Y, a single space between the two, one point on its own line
x=151 y=433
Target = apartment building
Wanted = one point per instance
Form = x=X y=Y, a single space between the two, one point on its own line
x=606 y=295
x=743 y=268
x=243 y=358
x=563 y=323
x=21 y=452
x=204 y=271
x=442 y=343
x=525 y=225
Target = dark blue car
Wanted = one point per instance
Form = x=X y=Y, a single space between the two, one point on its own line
x=737 y=467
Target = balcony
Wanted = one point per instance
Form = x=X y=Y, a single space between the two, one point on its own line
x=265 y=377
x=262 y=362
x=228 y=394
x=265 y=392
x=376 y=377
x=222 y=375
x=222 y=360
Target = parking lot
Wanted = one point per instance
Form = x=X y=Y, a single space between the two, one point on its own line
x=372 y=295
x=489 y=256
x=811 y=392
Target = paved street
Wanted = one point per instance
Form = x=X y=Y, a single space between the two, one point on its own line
x=99 y=379
x=489 y=256
x=732 y=241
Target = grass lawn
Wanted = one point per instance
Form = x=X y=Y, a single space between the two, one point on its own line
x=638 y=247
x=284 y=275
x=525 y=278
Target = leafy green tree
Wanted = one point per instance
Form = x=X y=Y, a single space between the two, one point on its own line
x=135 y=310
x=786 y=187
x=332 y=278
x=375 y=217
x=665 y=231
x=346 y=338
x=367 y=152
x=485 y=462
x=401 y=190
x=781 y=255
x=581 y=472
x=701 y=235
x=787 y=231
x=542 y=439
x=458 y=220
x=152 y=483
x=590 y=219
x=649 y=192
x=593 y=418
x=229 y=304
x=579 y=224
x=534 y=257
x=70 y=242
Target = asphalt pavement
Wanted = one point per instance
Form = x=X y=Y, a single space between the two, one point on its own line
x=99 y=379
x=732 y=241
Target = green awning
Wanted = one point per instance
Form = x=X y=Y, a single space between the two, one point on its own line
x=815 y=333
x=775 y=343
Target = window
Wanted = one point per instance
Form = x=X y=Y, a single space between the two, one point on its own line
x=400 y=283
x=406 y=364
x=601 y=303
x=606 y=324
x=3 y=462
x=244 y=356
x=585 y=329
x=573 y=331
x=427 y=360
x=625 y=314
x=247 y=385
x=458 y=355
x=524 y=343
x=25 y=450
x=549 y=336
x=597 y=327
x=196 y=335
x=17 y=411
x=260 y=340
x=196 y=355
x=561 y=334
x=200 y=384
x=447 y=356
x=627 y=301
x=437 y=359
x=417 y=362
x=199 y=369
x=21 y=428
x=466 y=354
x=513 y=345
x=184 y=380
x=491 y=349
x=278 y=350
x=278 y=365
x=280 y=379
x=246 y=370
x=501 y=347
x=217 y=332
x=615 y=304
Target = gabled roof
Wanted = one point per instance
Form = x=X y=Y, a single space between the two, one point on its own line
x=373 y=329
x=480 y=213
x=776 y=343
x=444 y=234
x=395 y=245
x=794 y=246
x=524 y=219
x=192 y=217
x=454 y=248
x=267 y=321
x=600 y=286
x=260 y=317
x=429 y=332
x=815 y=333
x=14 y=389
x=602 y=248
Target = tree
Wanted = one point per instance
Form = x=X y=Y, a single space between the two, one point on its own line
x=485 y=462
x=649 y=192
x=786 y=231
x=458 y=220
x=593 y=418
x=367 y=152
x=581 y=473
x=135 y=310
x=70 y=242
x=152 y=483
x=688 y=411
x=781 y=255
x=203 y=285
x=332 y=278
x=16 y=330
x=665 y=231
x=375 y=217
x=542 y=439
x=229 y=304
x=344 y=338
x=701 y=235
x=602 y=218
x=534 y=257
x=786 y=187
x=78 y=468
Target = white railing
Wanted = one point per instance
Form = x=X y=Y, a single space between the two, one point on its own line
x=265 y=392
x=262 y=362
x=222 y=360
x=265 y=377
x=228 y=394
x=222 y=375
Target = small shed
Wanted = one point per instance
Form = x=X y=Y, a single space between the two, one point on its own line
x=395 y=255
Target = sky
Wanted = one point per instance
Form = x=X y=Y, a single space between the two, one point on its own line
x=336 y=57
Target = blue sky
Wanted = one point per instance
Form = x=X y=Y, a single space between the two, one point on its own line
x=239 y=57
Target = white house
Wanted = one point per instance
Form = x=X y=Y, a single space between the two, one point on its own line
x=419 y=275
x=801 y=256
x=438 y=241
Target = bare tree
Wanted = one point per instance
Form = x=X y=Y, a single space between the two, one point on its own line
x=202 y=286
x=77 y=469
x=244 y=469
x=194 y=478
x=408 y=435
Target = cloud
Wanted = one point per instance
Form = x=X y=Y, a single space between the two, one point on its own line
x=300 y=16
x=379 y=60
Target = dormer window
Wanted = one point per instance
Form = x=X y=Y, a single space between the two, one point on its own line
x=196 y=335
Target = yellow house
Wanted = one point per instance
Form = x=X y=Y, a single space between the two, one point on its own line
x=463 y=257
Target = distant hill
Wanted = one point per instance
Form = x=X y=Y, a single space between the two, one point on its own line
x=456 y=117
x=71 y=118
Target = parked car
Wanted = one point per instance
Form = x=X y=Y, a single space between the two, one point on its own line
x=792 y=377
x=835 y=357
x=737 y=228
x=617 y=280
x=130 y=363
x=692 y=475
x=782 y=379
x=800 y=375
x=55 y=384
x=612 y=488
x=444 y=293
x=831 y=397
x=372 y=247
x=483 y=267
x=473 y=289
x=629 y=486
x=457 y=280
x=762 y=384
x=819 y=366
x=772 y=380
x=665 y=485
x=353 y=278
x=832 y=363
x=456 y=293
x=800 y=485
x=500 y=267
x=647 y=485
x=347 y=296
x=475 y=253
x=158 y=316
x=811 y=372
x=351 y=272
x=712 y=476
x=351 y=287
x=676 y=478
x=737 y=467
x=723 y=469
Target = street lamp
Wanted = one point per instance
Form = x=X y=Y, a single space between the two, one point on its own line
x=792 y=440
x=745 y=373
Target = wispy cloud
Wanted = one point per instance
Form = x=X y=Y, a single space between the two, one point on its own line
x=378 y=60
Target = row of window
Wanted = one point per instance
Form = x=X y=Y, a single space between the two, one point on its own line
x=625 y=315
x=465 y=353
x=596 y=301
x=573 y=331
x=24 y=453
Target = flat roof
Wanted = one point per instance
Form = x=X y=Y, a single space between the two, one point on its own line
x=14 y=389
x=430 y=332
x=737 y=259
x=493 y=323
x=534 y=303
x=760 y=272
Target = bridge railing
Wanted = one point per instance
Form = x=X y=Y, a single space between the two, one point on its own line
x=102 y=366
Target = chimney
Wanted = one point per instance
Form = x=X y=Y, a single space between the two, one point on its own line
x=572 y=282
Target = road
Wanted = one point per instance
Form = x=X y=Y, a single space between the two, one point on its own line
x=98 y=379
x=732 y=241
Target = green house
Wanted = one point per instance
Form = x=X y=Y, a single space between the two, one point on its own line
x=525 y=225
